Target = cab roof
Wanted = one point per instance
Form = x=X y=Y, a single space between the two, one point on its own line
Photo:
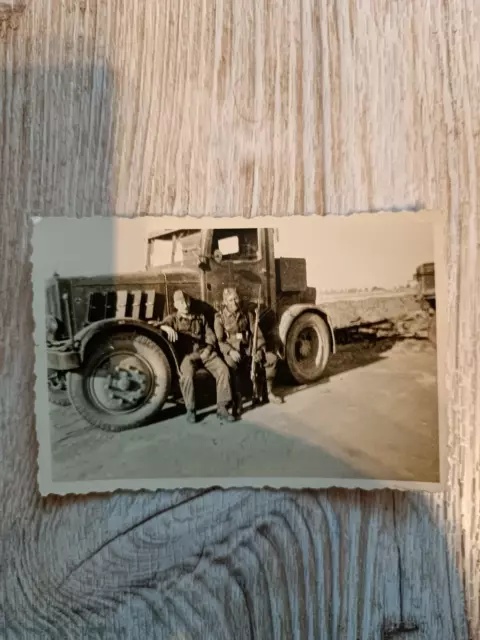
x=168 y=233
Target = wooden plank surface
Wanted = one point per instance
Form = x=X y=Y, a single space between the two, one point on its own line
x=238 y=107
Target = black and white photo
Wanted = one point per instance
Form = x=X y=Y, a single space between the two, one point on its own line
x=295 y=351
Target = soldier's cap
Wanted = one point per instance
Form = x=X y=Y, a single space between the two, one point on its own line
x=180 y=296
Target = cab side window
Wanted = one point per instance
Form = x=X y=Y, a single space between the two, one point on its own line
x=237 y=244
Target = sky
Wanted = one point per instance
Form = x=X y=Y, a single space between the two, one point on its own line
x=358 y=252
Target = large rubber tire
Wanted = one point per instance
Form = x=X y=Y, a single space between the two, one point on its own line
x=308 y=371
x=79 y=383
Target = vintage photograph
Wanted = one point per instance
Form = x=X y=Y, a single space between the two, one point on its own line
x=298 y=351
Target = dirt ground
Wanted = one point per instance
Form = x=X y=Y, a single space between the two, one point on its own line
x=374 y=415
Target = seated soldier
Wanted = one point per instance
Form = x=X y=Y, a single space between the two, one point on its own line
x=195 y=349
x=234 y=330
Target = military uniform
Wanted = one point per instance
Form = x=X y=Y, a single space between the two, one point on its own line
x=196 y=349
x=235 y=331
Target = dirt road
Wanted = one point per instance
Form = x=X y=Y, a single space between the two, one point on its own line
x=373 y=416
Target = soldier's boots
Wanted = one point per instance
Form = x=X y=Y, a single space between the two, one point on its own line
x=223 y=415
x=191 y=416
x=272 y=396
x=238 y=405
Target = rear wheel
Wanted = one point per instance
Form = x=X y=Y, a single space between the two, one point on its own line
x=124 y=381
x=308 y=348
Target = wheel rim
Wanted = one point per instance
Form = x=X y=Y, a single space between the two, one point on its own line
x=308 y=350
x=121 y=382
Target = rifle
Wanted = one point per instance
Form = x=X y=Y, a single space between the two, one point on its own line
x=253 y=370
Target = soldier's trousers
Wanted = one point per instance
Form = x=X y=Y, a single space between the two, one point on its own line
x=241 y=371
x=216 y=367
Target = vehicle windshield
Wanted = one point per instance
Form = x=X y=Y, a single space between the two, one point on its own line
x=178 y=248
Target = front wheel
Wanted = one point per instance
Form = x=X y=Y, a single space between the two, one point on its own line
x=123 y=383
x=308 y=348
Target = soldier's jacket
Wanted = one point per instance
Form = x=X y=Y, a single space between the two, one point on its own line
x=235 y=330
x=194 y=334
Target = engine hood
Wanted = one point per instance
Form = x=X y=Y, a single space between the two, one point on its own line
x=146 y=295
x=176 y=276
x=161 y=277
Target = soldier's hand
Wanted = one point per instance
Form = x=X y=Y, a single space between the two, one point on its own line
x=235 y=356
x=204 y=355
x=258 y=356
x=172 y=335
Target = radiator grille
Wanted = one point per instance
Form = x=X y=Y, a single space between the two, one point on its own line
x=136 y=304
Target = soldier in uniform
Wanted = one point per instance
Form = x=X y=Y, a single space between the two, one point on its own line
x=234 y=330
x=196 y=348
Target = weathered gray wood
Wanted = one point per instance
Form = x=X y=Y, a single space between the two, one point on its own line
x=225 y=108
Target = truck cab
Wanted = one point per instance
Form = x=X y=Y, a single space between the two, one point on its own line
x=243 y=258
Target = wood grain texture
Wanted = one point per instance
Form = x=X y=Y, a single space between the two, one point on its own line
x=239 y=107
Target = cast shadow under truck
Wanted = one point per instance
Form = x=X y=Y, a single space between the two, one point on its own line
x=108 y=356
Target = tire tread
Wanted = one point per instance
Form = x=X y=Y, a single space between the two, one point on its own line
x=317 y=320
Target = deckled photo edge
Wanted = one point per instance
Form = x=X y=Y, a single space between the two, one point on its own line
x=441 y=240
x=41 y=403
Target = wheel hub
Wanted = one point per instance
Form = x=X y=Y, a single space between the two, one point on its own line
x=304 y=348
x=308 y=348
x=128 y=385
x=121 y=382
x=305 y=345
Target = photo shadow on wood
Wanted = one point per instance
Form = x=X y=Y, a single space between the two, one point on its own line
x=57 y=145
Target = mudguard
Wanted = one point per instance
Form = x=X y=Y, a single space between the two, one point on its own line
x=292 y=313
x=85 y=336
